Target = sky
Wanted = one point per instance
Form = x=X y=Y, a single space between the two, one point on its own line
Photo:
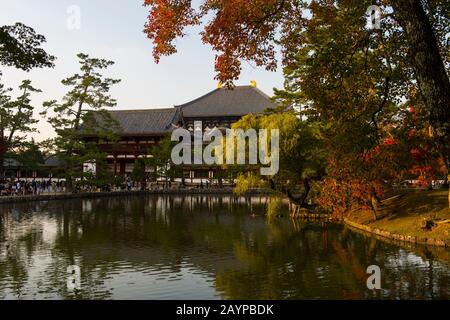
x=112 y=29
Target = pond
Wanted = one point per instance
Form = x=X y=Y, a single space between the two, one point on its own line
x=199 y=247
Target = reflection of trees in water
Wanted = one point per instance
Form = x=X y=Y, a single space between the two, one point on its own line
x=95 y=234
x=288 y=268
x=310 y=262
x=20 y=239
x=248 y=257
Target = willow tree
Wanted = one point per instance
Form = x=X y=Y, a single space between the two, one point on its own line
x=83 y=110
x=301 y=155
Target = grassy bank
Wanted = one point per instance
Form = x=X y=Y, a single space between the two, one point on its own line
x=406 y=212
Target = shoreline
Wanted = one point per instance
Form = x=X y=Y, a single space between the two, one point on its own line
x=379 y=233
x=88 y=195
x=396 y=237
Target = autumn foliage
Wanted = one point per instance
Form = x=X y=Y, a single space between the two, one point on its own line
x=375 y=107
x=238 y=29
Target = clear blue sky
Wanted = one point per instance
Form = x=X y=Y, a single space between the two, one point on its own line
x=112 y=29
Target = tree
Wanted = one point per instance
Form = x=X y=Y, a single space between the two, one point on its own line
x=138 y=174
x=354 y=86
x=349 y=77
x=20 y=47
x=17 y=116
x=16 y=119
x=30 y=156
x=4 y=99
x=251 y=30
x=159 y=159
x=83 y=110
x=425 y=56
x=96 y=172
x=301 y=155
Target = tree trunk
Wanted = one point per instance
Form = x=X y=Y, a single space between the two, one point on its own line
x=2 y=160
x=299 y=200
x=448 y=185
x=3 y=147
x=69 y=184
x=429 y=68
x=375 y=205
x=307 y=186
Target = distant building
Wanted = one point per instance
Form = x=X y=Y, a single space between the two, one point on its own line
x=13 y=169
x=140 y=130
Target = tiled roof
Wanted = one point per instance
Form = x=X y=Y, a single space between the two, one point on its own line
x=52 y=161
x=9 y=162
x=239 y=101
x=146 y=121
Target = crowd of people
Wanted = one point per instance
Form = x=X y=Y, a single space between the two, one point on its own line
x=30 y=187
x=33 y=187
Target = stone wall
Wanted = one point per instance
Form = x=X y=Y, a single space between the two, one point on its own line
x=396 y=236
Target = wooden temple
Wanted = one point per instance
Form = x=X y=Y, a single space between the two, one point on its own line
x=141 y=130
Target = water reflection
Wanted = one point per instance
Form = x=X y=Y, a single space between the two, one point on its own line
x=200 y=247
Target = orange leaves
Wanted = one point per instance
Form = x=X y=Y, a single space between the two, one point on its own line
x=229 y=67
x=339 y=196
x=166 y=22
x=236 y=29
x=382 y=152
x=242 y=29
x=389 y=142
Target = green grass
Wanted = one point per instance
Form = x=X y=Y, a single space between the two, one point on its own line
x=404 y=215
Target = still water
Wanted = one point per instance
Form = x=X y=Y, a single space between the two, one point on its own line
x=200 y=247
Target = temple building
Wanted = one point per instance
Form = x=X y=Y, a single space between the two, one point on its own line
x=141 y=130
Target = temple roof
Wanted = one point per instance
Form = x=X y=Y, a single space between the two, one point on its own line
x=145 y=121
x=239 y=101
x=52 y=161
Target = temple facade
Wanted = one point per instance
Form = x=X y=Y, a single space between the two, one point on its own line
x=141 y=130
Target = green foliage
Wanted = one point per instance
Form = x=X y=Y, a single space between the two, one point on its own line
x=248 y=181
x=351 y=83
x=275 y=207
x=302 y=153
x=160 y=156
x=20 y=48
x=16 y=119
x=138 y=173
x=30 y=156
x=16 y=116
x=82 y=112
x=102 y=176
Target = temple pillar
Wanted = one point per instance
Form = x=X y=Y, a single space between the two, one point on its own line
x=122 y=168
